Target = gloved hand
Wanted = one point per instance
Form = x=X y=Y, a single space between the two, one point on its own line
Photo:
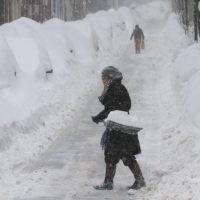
x=95 y=120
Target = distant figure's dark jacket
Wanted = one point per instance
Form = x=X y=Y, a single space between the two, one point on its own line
x=138 y=34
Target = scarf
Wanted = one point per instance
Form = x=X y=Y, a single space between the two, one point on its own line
x=106 y=88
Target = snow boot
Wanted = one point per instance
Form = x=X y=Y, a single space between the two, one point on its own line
x=109 y=176
x=139 y=183
x=104 y=186
x=139 y=179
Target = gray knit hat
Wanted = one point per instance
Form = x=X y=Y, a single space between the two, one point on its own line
x=112 y=72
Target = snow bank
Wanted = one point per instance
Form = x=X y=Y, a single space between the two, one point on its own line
x=176 y=35
x=186 y=66
x=34 y=106
x=120 y=33
x=8 y=64
x=179 y=176
x=127 y=18
x=60 y=48
x=55 y=49
x=118 y=22
x=78 y=34
x=83 y=38
x=47 y=72
x=102 y=26
x=152 y=13
x=26 y=40
x=187 y=81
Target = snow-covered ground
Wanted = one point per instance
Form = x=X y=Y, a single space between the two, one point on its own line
x=49 y=148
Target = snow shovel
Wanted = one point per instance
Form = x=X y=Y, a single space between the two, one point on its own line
x=142 y=44
x=111 y=125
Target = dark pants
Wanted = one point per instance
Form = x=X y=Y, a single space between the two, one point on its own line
x=137 y=45
x=114 y=158
x=121 y=147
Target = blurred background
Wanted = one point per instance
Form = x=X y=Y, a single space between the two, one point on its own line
x=42 y=10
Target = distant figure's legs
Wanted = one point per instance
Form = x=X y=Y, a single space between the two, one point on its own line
x=137 y=45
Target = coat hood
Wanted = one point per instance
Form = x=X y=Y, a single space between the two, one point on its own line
x=113 y=73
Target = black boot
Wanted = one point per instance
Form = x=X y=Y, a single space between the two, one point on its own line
x=139 y=179
x=139 y=183
x=109 y=176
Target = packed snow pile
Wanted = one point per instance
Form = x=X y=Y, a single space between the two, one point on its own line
x=128 y=19
x=161 y=10
x=124 y=118
x=187 y=82
x=102 y=26
x=175 y=36
x=8 y=65
x=186 y=70
x=78 y=33
x=48 y=73
x=37 y=52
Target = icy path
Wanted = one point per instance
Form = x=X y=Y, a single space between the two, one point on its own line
x=69 y=168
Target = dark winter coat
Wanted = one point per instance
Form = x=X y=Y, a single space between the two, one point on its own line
x=138 y=34
x=117 y=97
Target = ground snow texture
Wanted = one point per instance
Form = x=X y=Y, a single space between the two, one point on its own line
x=49 y=147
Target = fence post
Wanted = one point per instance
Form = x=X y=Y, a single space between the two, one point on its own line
x=198 y=16
x=196 y=20
x=186 y=15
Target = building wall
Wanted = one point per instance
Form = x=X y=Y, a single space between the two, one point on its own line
x=9 y=10
x=42 y=10
x=1 y=12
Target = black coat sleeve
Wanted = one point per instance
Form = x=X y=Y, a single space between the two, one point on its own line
x=102 y=115
x=107 y=102
x=116 y=98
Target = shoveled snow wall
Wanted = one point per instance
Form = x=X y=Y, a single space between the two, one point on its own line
x=185 y=71
x=47 y=72
x=44 y=70
x=33 y=53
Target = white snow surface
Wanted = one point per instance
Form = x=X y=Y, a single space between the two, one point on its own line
x=124 y=118
x=7 y=64
x=49 y=147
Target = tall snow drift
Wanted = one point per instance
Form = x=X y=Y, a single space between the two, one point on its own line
x=8 y=64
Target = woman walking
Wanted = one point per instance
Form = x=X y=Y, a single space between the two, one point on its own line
x=117 y=145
